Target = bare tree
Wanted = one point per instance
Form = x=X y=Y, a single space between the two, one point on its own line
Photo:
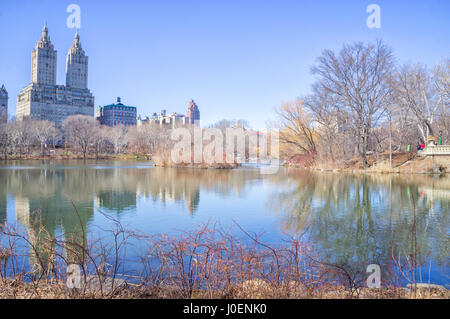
x=442 y=81
x=43 y=131
x=21 y=136
x=156 y=137
x=80 y=131
x=4 y=139
x=442 y=86
x=297 y=131
x=99 y=139
x=329 y=124
x=416 y=90
x=358 y=78
x=118 y=138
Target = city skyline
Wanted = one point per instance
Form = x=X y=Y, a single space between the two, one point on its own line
x=43 y=98
x=162 y=55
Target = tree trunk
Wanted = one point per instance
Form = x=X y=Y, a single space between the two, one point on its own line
x=364 y=150
x=429 y=129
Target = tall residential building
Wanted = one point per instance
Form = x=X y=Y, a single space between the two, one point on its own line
x=43 y=99
x=193 y=113
x=43 y=61
x=117 y=114
x=76 y=66
x=3 y=104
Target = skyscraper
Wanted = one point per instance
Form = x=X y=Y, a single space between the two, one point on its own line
x=193 y=113
x=3 y=104
x=43 y=99
x=43 y=61
x=76 y=66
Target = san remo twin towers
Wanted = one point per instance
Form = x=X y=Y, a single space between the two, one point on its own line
x=43 y=99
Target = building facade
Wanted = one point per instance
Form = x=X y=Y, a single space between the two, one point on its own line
x=174 y=119
x=43 y=99
x=3 y=104
x=117 y=114
x=193 y=113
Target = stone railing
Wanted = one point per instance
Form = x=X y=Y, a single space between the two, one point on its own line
x=432 y=150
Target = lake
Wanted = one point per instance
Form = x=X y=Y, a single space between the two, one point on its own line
x=352 y=219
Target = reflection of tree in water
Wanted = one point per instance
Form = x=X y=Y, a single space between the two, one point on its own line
x=358 y=219
x=192 y=202
x=43 y=195
x=43 y=206
x=2 y=209
x=116 y=188
x=184 y=184
x=3 y=201
x=57 y=212
x=117 y=201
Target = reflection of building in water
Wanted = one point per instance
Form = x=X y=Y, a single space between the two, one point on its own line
x=43 y=216
x=435 y=193
x=165 y=195
x=172 y=192
x=192 y=201
x=23 y=216
x=117 y=200
x=23 y=210
x=188 y=194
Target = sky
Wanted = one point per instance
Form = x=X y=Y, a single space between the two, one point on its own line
x=238 y=59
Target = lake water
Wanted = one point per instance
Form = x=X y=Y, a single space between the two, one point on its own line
x=354 y=220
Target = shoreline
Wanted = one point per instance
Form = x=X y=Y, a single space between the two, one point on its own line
x=415 y=166
x=402 y=163
x=251 y=289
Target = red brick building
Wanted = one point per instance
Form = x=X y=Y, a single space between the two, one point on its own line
x=193 y=113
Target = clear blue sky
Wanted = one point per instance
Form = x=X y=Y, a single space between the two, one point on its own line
x=236 y=59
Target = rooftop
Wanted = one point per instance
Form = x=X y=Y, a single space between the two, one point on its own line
x=119 y=104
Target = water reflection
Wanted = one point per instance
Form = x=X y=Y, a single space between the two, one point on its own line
x=2 y=201
x=358 y=219
x=354 y=219
x=47 y=190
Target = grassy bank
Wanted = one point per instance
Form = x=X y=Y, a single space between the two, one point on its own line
x=17 y=289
